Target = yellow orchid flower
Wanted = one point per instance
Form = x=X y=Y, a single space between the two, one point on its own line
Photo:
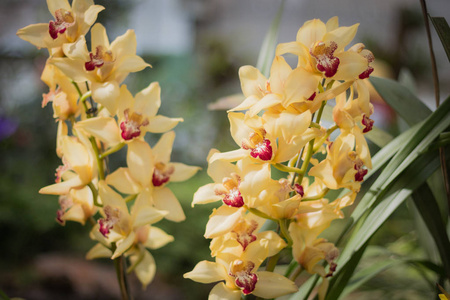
x=320 y=50
x=142 y=261
x=71 y=22
x=244 y=232
x=105 y=67
x=77 y=205
x=136 y=116
x=240 y=273
x=62 y=94
x=284 y=87
x=148 y=172
x=342 y=168
x=118 y=224
x=273 y=138
x=79 y=166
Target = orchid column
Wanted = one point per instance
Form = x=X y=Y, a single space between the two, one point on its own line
x=97 y=116
x=278 y=126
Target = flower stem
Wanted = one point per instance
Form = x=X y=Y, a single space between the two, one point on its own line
x=112 y=150
x=288 y=169
x=101 y=170
x=94 y=194
x=261 y=214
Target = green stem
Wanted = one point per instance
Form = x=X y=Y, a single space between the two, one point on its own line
x=272 y=262
x=285 y=232
x=291 y=268
x=319 y=196
x=298 y=271
x=260 y=214
x=112 y=150
x=101 y=170
x=288 y=169
x=305 y=164
x=94 y=194
x=315 y=125
x=77 y=88
x=121 y=275
x=130 y=198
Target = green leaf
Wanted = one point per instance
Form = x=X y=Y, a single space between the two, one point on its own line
x=267 y=51
x=338 y=283
x=366 y=274
x=443 y=31
x=305 y=289
x=401 y=99
x=410 y=150
x=413 y=176
x=429 y=210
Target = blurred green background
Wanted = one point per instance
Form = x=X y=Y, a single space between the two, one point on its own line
x=196 y=48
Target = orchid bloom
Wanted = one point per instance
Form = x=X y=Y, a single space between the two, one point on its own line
x=118 y=225
x=70 y=22
x=269 y=139
x=148 y=171
x=342 y=168
x=142 y=261
x=136 y=116
x=284 y=87
x=105 y=67
x=78 y=169
x=239 y=270
x=62 y=94
x=320 y=50
x=77 y=205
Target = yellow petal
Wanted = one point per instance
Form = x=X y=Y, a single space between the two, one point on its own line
x=272 y=285
x=77 y=50
x=157 y=238
x=107 y=94
x=252 y=81
x=103 y=128
x=222 y=221
x=164 y=199
x=160 y=124
x=163 y=148
x=342 y=36
x=124 y=245
x=351 y=65
x=140 y=162
x=63 y=187
x=183 y=172
x=311 y=32
x=148 y=100
x=222 y=292
x=206 y=194
x=98 y=251
x=146 y=269
x=36 y=34
x=54 y=5
x=122 y=180
x=99 y=37
x=207 y=272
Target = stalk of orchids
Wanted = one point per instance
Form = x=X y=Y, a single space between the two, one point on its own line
x=97 y=116
x=279 y=126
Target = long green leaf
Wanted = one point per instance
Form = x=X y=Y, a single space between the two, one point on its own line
x=339 y=283
x=267 y=51
x=401 y=99
x=413 y=177
x=367 y=274
x=428 y=131
x=443 y=30
x=429 y=210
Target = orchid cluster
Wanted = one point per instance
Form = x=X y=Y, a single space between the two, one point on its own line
x=278 y=126
x=97 y=116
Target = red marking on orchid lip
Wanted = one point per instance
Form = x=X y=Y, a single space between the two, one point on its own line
x=96 y=60
x=332 y=269
x=262 y=150
x=245 y=279
x=104 y=227
x=311 y=98
x=244 y=232
x=131 y=127
x=299 y=189
x=366 y=73
x=368 y=123
x=234 y=198
x=324 y=55
x=360 y=172
x=161 y=174
x=64 y=20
